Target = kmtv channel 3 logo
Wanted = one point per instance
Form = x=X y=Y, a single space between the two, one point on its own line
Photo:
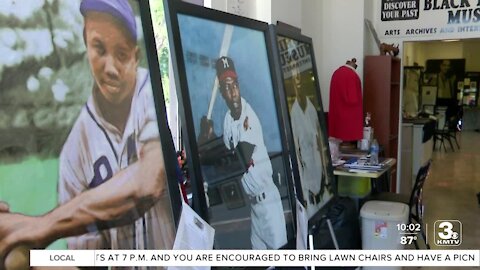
x=448 y=233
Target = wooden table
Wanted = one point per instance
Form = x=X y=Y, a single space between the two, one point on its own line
x=372 y=174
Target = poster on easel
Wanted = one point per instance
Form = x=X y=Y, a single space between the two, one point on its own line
x=231 y=114
x=306 y=118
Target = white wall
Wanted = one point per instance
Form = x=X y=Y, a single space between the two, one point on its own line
x=369 y=43
x=287 y=11
x=311 y=26
x=410 y=54
x=420 y=51
x=472 y=54
x=336 y=27
x=440 y=50
x=254 y=9
x=245 y=8
x=217 y=4
x=263 y=11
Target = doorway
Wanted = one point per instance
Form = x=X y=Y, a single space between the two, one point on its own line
x=450 y=191
x=429 y=57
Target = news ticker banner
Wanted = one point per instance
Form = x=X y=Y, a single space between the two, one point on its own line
x=266 y=258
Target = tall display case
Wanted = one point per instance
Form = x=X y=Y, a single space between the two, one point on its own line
x=468 y=89
x=382 y=99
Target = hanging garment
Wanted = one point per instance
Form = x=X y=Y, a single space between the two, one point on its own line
x=346 y=105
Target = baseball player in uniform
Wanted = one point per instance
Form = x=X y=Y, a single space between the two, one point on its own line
x=306 y=134
x=95 y=150
x=241 y=124
x=98 y=148
x=112 y=186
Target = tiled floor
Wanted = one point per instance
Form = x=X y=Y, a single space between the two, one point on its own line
x=450 y=191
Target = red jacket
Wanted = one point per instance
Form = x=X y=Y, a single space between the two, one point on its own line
x=345 y=116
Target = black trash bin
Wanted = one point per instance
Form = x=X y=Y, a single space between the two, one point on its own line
x=343 y=215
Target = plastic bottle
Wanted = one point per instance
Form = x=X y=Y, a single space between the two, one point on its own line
x=374 y=149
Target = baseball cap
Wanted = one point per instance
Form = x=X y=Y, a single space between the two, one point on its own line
x=119 y=9
x=225 y=68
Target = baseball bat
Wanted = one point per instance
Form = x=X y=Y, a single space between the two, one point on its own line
x=18 y=258
x=227 y=38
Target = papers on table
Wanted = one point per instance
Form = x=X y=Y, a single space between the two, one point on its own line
x=364 y=164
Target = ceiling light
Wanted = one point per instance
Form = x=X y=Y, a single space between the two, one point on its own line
x=450 y=40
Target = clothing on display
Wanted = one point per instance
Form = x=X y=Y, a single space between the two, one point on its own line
x=345 y=117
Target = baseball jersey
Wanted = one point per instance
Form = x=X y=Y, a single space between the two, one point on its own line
x=248 y=129
x=305 y=127
x=96 y=150
x=268 y=229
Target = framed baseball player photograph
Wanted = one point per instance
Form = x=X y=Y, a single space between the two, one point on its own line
x=227 y=88
x=306 y=118
x=86 y=156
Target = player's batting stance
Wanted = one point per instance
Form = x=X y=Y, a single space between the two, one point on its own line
x=207 y=132
x=241 y=127
x=112 y=185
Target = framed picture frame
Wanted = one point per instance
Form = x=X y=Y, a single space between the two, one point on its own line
x=308 y=135
x=232 y=121
x=469 y=89
x=73 y=72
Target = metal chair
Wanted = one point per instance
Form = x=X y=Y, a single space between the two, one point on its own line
x=448 y=132
x=444 y=134
x=454 y=126
x=414 y=201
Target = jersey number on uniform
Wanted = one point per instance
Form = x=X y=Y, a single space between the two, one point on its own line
x=102 y=172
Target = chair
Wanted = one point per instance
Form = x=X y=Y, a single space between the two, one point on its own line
x=414 y=201
x=449 y=130
x=443 y=134
x=454 y=126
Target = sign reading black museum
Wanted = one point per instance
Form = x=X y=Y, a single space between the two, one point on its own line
x=397 y=10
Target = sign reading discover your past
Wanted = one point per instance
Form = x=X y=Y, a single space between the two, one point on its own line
x=439 y=19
